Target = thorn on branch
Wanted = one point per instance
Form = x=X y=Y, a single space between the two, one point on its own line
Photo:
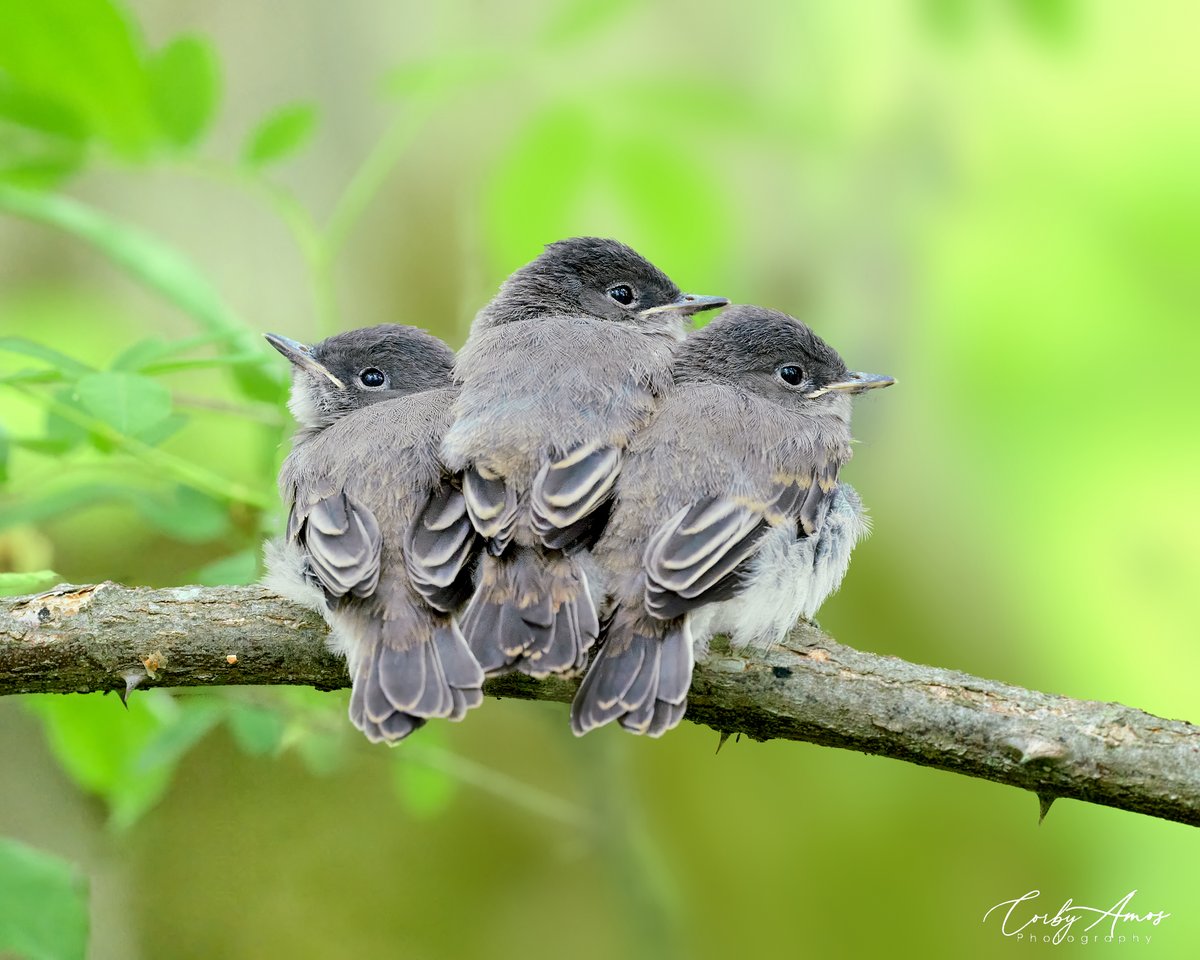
x=133 y=680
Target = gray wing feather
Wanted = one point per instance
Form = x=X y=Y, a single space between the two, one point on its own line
x=439 y=548
x=693 y=559
x=697 y=556
x=491 y=505
x=343 y=542
x=567 y=491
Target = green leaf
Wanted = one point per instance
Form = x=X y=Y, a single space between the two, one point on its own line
x=43 y=905
x=186 y=514
x=161 y=268
x=258 y=731
x=127 y=402
x=5 y=447
x=126 y=757
x=30 y=158
x=85 y=56
x=203 y=363
x=39 y=351
x=41 y=140
x=63 y=434
x=184 y=86
x=154 y=350
x=20 y=584
x=283 y=132
x=42 y=445
x=35 y=112
x=165 y=428
x=33 y=376
x=186 y=725
x=140 y=354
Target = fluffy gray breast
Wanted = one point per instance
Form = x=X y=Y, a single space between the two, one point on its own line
x=547 y=385
x=384 y=456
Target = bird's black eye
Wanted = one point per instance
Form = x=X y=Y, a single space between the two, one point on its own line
x=622 y=294
x=372 y=377
x=790 y=374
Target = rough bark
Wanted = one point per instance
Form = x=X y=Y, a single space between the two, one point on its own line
x=80 y=639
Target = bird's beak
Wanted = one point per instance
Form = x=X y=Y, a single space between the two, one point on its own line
x=854 y=383
x=301 y=356
x=686 y=305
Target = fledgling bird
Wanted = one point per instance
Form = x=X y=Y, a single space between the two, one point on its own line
x=560 y=370
x=729 y=516
x=377 y=536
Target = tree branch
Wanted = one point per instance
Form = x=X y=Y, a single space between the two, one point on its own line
x=80 y=639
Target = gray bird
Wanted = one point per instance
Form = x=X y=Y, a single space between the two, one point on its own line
x=729 y=514
x=561 y=369
x=377 y=534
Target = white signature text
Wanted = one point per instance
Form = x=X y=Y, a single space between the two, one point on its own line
x=1017 y=920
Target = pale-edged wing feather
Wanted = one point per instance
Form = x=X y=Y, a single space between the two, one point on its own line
x=694 y=558
x=570 y=496
x=342 y=542
x=492 y=506
x=439 y=548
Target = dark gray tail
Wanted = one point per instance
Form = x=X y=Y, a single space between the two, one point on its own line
x=404 y=680
x=640 y=677
x=532 y=613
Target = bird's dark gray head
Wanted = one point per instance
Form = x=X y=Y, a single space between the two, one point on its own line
x=359 y=367
x=596 y=278
x=773 y=355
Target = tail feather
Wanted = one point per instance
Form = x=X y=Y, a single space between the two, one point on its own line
x=461 y=670
x=402 y=677
x=638 y=720
x=464 y=700
x=640 y=677
x=666 y=717
x=647 y=685
x=623 y=670
x=397 y=688
x=675 y=665
x=378 y=707
x=532 y=613
x=399 y=725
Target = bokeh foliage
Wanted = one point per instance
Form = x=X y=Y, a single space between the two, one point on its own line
x=994 y=201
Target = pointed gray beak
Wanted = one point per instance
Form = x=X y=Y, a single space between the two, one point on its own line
x=854 y=383
x=301 y=356
x=687 y=304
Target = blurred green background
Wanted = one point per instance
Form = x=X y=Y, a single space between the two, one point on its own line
x=996 y=202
